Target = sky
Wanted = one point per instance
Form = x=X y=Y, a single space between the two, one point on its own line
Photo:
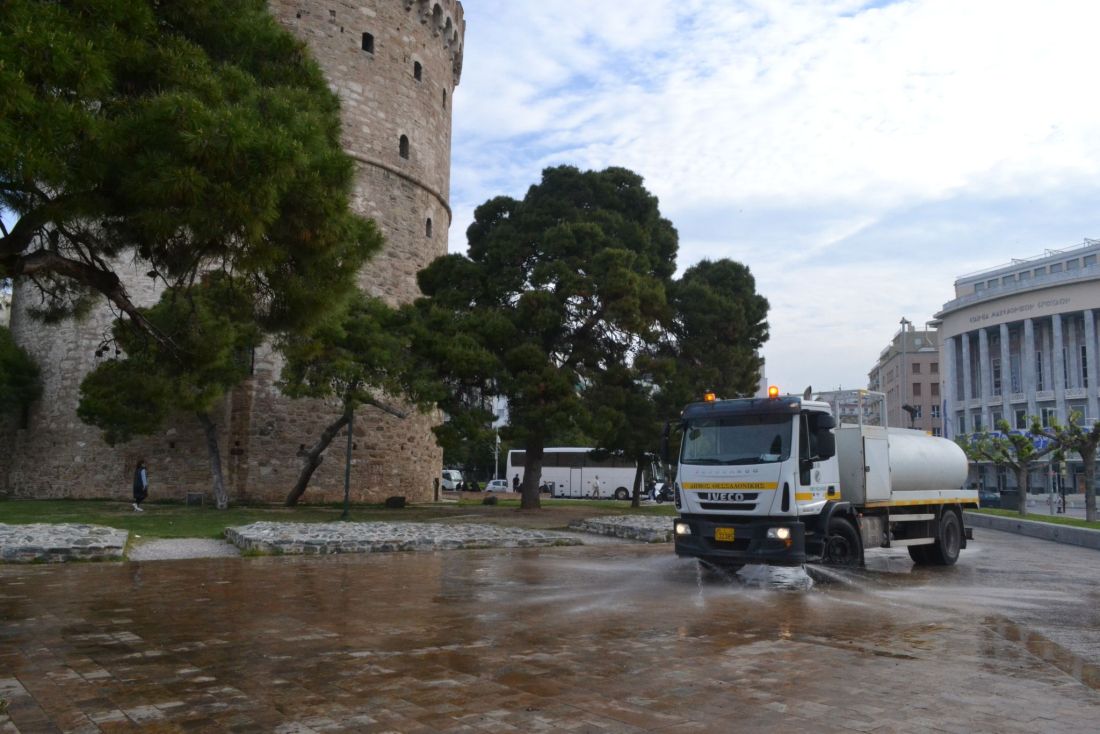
x=858 y=157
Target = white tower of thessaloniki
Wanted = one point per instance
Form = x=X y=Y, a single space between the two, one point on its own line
x=395 y=65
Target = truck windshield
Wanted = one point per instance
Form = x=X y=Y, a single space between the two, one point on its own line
x=737 y=439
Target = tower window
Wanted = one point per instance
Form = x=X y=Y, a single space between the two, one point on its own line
x=428 y=227
x=403 y=146
x=444 y=99
x=368 y=43
x=418 y=70
x=332 y=16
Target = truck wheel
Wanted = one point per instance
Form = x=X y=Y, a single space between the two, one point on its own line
x=919 y=554
x=841 y=543
x=622 y=494
x=945 y=551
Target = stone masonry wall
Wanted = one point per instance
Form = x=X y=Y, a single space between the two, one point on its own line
x=262 y=431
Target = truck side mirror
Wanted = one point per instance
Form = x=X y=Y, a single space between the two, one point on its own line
x=825 y=422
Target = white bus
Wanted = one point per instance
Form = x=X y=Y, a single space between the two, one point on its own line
x=572 y=472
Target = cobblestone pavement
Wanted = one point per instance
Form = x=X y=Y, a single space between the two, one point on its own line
x=374 y=537
x=610 y=638
x=635 y=527
x=54 y=543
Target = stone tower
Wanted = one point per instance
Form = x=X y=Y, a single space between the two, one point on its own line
x=395 y=65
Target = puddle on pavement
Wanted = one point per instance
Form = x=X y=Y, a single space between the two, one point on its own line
x=1047 y=650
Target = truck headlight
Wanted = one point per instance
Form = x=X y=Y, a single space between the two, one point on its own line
x=682 y=528
x=779 y=533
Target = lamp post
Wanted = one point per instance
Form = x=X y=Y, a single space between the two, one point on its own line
x=904 y=366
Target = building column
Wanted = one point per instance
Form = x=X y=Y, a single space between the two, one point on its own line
x=1090 y=364
x=1059 y=364
x=1027 y=370
x=948 y=396
x=968 y=388
x=1006 y=378
x=985 y=376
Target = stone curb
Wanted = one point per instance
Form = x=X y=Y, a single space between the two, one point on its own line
x=645 y=529
x=383 y=537
x=58 y=543
x=1083 y=537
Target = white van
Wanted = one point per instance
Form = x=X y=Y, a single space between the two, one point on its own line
x=451 y=479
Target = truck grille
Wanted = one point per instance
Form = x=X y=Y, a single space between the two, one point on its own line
x=738 y=506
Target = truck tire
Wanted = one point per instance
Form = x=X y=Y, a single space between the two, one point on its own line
x=919 y=554
x=842 y=543
x=622 y=494
x=949 y=531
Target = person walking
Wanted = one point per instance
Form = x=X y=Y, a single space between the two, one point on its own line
x=515 y=483
x=141 y=486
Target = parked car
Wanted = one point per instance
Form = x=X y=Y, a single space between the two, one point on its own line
x=989 y=498
x=498 y=485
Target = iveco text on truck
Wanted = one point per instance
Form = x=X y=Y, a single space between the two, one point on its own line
x=780 y=481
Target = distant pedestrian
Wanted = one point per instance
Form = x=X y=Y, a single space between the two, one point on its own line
x=141 y=486
x=515 y=483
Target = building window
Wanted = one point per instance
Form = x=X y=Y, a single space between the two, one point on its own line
x=1065 y=365
x=1021 y=420
x=962 y=425
x=1039 y=371
x=992 y=283
x=1084 y=367
x=428 y=227
x=368 y=43
x=417 y=70
x=996 y=364
x=935 y=430
x=1090 y=260
x=1040 y=272
x=935 y=368
x=444 y=99
x=1073 y=265
x=916 y=368
x=1050 y=415
x=935 y=411
x=916 y=389
x=979 y=287
x=978 y=423
x=403 y=147
x=935 y=387
x=1026 y=275
x=996 y=420
x=1008 y=280
x=332 y=16
x=1055 y=268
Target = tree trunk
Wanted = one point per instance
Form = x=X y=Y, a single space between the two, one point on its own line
x=1088 y=458
x=1021 y=486
x=532 y=476
x=636 y=498
x=221 y=497
x=1021 y=490
x=314 y=457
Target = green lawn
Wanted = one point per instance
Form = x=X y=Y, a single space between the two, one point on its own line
x=174 y=520
x=1053 y=519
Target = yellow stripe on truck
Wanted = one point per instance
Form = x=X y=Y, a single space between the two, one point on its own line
x=728 y=485
x=803 y=496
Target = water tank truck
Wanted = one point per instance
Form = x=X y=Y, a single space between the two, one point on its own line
x=785 y=480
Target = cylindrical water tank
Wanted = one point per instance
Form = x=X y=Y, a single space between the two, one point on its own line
x=922 y=462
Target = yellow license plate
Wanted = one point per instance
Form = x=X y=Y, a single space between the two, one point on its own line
x=724 y=534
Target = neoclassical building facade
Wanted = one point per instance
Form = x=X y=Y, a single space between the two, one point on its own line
x=1020 y=341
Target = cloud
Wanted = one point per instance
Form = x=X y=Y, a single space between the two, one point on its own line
x=893 y=145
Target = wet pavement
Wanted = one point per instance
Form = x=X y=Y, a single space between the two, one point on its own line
x=609 y=638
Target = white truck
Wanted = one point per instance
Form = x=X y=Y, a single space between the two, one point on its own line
x=779 y=481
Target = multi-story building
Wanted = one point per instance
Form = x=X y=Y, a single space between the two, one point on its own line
x=908 y=373
x=1019 y=342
